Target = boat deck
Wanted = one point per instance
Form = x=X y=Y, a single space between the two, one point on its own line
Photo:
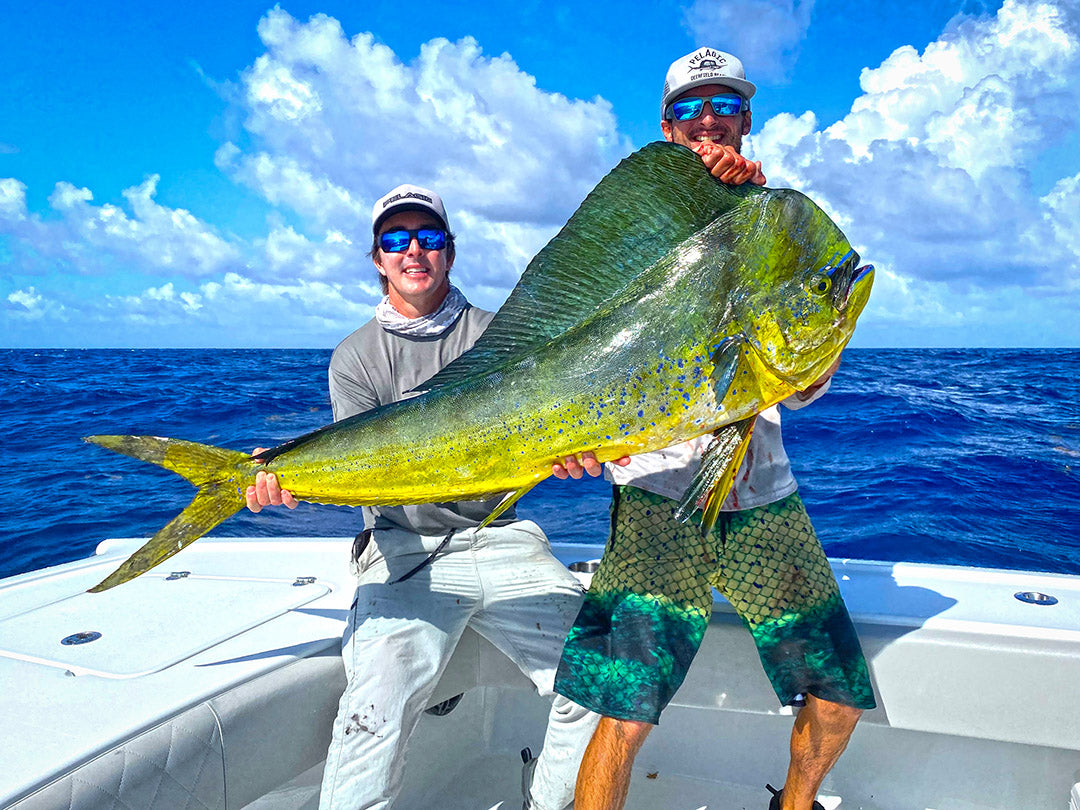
x=214 y=683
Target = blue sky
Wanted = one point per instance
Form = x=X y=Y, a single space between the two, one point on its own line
x=204 y=177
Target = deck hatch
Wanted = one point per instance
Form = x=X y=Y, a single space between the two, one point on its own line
x=147 y=624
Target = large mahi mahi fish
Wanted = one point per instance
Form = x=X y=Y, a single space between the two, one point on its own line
x=669 y=306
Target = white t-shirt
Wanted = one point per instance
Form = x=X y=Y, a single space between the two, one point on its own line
x=764 y=477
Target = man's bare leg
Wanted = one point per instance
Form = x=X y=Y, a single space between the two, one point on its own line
x=820 y=735
x=604 y=777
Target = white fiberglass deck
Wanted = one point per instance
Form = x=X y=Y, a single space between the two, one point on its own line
x=216 y=689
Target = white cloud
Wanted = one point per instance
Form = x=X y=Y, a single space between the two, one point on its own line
x=105 y=238
x=234 y=310
x=28 y=306
x=356 y=121
x=66 y=197
x=332 y=123
x=928 y=172
x=283 y=181
x=12 y=199
x=292 y=255
x=27 y=299
x=765 y=34
x=1061 y=212
x=932 y=174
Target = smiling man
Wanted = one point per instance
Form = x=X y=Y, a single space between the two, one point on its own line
x=428 y=571
x=650 y=601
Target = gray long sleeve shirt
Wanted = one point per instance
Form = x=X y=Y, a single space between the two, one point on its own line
x=374 y=367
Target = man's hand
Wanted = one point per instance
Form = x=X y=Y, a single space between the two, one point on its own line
x=572 y=467
x=808 y=392
x=728 y=166
x=267 y=491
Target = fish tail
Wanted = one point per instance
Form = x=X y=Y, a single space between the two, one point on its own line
x=219 y=474
x=198 y=463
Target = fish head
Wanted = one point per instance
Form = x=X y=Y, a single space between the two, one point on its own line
x=802 y=292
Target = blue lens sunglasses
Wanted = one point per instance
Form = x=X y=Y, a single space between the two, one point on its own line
x=398 y=240
x=687 y=109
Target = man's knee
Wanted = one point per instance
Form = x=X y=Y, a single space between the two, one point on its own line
x=834 y=715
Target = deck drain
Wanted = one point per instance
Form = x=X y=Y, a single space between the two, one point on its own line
x=81 y=638
x=588 y=567
x=1036 y=598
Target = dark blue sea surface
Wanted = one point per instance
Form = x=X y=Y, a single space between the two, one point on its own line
x=955 y=456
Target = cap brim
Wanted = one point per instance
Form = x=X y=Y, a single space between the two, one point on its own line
x=400 y=209
x=741 y=86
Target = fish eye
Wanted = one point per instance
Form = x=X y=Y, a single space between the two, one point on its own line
x=820 y=284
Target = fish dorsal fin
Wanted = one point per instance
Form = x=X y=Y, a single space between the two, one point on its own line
x=643 y=209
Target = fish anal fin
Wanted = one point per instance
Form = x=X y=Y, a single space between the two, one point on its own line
x=508 y=500
x=714 y=479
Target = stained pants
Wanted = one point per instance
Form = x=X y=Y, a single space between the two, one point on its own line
x=503 y=582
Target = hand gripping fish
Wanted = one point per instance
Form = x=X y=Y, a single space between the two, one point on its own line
x=668 y=306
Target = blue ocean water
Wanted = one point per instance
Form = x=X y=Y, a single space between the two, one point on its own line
x=957 y=456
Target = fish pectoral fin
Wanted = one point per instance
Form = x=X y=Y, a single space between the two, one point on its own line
x=714 y=479
x=725 y=360
x=508 y=500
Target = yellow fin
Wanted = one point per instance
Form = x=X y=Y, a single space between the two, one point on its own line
x=508 y=500
x=714 y=479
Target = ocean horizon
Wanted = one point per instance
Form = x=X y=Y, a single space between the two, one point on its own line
x=958 y=456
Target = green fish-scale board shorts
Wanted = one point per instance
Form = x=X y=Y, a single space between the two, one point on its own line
x=651 y=598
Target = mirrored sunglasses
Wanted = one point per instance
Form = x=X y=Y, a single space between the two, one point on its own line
x=687 y=109
x=398 y=241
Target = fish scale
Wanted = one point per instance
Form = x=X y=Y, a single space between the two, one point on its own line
x=668 y=306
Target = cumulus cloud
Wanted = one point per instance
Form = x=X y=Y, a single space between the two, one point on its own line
x=1061 y=213
x=340 y=121
x=331 y=122
x=766 y=34
x=334 y=122
x=937 y=172
x=177 y=314
x=289 y=255
x=27 y=299
x=103 y=238
x=283 y=181
x=12 y=199
x=929 y=170
x=29 y=308
x=271 y=314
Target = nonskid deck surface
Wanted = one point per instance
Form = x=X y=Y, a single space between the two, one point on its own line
x=699 y=759
x=470 y=759
x=649 y=790
x=472 y=785
x=973 y=689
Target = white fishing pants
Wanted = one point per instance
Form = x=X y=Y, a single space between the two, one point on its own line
x=503 y=582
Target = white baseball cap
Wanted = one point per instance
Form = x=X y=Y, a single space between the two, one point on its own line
x=407 y=197
x=705 y=66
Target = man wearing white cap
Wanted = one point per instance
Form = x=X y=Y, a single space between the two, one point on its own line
x=427 y=571
x=649 y=602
